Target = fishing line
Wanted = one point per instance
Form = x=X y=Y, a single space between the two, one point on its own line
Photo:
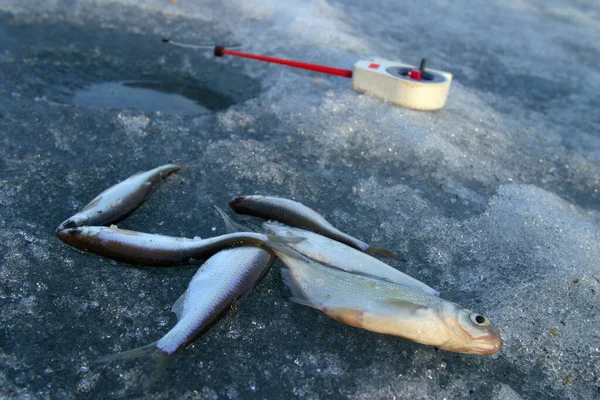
x=194 y=46
x=220 y=51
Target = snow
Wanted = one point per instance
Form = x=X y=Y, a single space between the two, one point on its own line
x=494 y=199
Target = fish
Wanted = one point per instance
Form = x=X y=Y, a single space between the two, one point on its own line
x=388 y=308
x=298 y=215
x=148 y=249
x=119 y=201
x=225 y=280
x=332 y=253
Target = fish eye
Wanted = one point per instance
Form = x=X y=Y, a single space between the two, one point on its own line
x=479 y=320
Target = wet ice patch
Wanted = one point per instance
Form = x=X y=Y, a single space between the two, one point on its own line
x=151 y=97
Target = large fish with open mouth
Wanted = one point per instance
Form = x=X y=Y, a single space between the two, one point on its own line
x=118 y=201
x=298 y=215
x=388 y=308
x=226 y=279
x=149 y=249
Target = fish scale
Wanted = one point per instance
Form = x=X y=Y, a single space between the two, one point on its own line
x=157 y=250
x=339 y=255
x=120 y=200
x=333 y=286
x=225 y=278
x=292 y=213
x=386 y=307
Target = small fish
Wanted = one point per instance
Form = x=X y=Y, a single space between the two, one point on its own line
x=298 y=215
x=388 y=308
x=338 y=255
x=226 y=279
x=140 y=248
x=118 y=201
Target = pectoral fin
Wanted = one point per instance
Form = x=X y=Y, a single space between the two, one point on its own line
x=177 y=307
x=346 y=316
x=403 y=305
x=298 y=296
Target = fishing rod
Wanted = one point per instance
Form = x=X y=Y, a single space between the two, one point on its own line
x=419 y=88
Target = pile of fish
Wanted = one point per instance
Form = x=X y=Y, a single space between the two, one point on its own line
x=324 y=268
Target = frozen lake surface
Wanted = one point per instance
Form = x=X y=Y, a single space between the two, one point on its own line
x=494 y=199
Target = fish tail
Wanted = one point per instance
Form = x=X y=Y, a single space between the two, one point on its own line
x=169 y=169
x=158 y=364
x=381 y=252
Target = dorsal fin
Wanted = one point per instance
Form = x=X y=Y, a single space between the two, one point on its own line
x=230 y=225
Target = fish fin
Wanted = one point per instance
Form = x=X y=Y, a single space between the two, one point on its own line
x=381 y=252
x=404 y=305
x=344 y=315
x=177 y=307
x=367 y=275
x=170 y=170
x=153 y=371
x=279 y=245
x=304 y=302
x=230 y=225
x=282 y=240
x=298 y=295
x=138 y=352
x=239 y=302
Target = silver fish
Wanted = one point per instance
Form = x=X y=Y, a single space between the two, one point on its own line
x=159 y=250
x=226 y=279
x=338 y=255
x=298 y=215
x=117 y=202
x=388 y=308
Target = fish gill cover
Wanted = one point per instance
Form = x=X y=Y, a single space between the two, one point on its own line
x=495 y=198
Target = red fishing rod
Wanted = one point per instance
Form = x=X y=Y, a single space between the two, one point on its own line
x=220 y=51
x=402 y=84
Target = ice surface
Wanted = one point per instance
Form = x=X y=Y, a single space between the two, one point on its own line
x=495 y=199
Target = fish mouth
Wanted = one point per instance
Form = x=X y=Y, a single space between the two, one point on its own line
x=68 y=224
x=488 y=346
x=236 y=201
x=66 y=234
